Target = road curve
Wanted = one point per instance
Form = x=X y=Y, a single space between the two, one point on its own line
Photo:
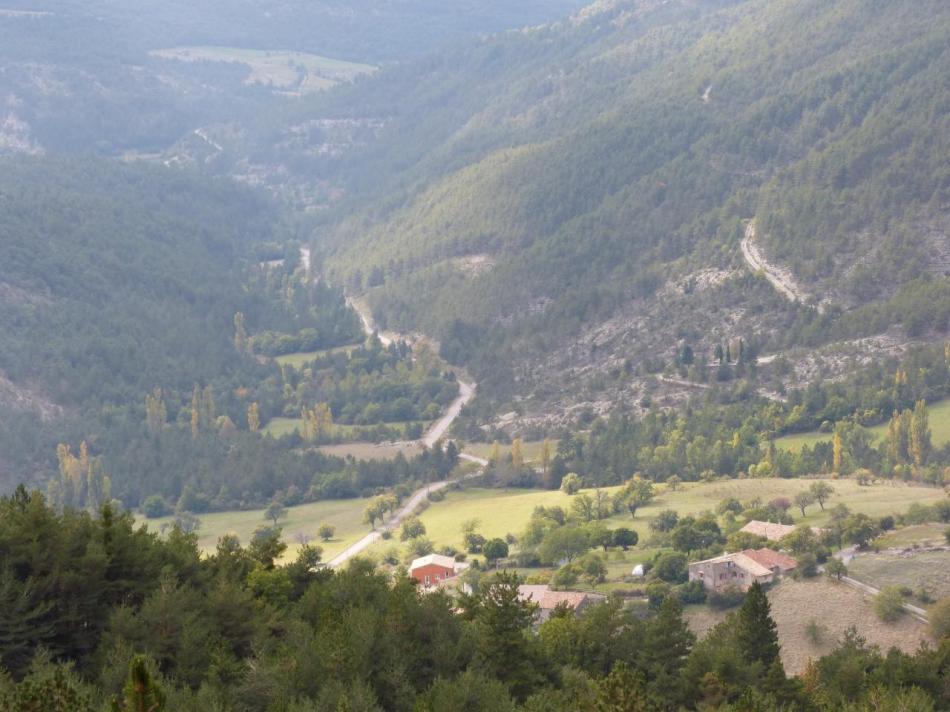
x=780 y=278
x=466 y=390
x=434 y=434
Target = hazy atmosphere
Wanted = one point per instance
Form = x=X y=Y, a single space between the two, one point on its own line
x=477 y=356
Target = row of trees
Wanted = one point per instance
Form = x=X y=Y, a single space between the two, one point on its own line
x=105 y=611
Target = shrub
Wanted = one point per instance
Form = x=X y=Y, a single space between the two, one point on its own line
x=571 y=483
x=657 y=592
x=889 y=603
x=729 y=597
x=815 y=631
x=567 y=575
x=665 y=521
x=155 y=506
x=692 y=592
x=807 y=566
x=939 y=615
x=671 y=568
x=919 y=514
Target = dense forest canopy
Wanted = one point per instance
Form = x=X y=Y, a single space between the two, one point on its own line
x=631 y=148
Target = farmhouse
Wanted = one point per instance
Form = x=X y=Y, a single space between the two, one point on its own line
x=435 y=569
x=775 y=561
x=548 y=600
x=741 y=569
x=770 y=530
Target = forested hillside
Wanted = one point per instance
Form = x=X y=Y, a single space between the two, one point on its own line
x=117 y=280
x=542 y=198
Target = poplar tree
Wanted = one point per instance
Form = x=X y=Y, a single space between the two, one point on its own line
x=517 y=457
x=241 y=342
x=837 y=453
x=495 y=453
x=253 y=418
x=919 y=436
x=155 y=412
x=195 y=412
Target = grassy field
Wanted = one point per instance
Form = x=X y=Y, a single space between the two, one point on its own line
x=507 y=511
x=929 y=570
x=939 y=427
x=530 y=450
x=834 y=606
x=920 y=534
x=346 y=515
x=371 y=451
x=285 y=426
x=301 y=358
x=294 y=72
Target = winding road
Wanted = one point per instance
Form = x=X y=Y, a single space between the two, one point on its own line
x=431 y=437
x=779 y=277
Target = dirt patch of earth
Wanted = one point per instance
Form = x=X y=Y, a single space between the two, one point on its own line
x=834 y=607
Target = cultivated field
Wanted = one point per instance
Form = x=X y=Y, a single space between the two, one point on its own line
x=939 y=427
x=345 y=515
x=921 y=534
x=292 y=72
x=530 y=450
x=278 y=427
x=301 y=358
x=372 y=451
x=927 y=570
x=834 y=607
x=507 y=511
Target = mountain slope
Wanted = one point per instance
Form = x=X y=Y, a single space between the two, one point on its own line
x=116 y=280
x=622 y=152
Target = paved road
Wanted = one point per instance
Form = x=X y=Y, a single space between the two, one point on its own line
x=466 y=390
x=435 y=433
x=442 y=425
x=411 y=505
x=847 y=556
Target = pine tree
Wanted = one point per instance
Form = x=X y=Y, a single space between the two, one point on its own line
x=141 y=693
x=756 y=634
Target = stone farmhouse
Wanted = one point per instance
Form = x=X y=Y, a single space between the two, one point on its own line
x=741 y=569
x=548 y=600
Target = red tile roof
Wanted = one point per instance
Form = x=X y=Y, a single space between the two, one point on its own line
x=770 y=559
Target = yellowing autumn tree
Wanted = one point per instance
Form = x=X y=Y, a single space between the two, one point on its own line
x=919 y=444
x=837 y=453
x=253 y=418
x=241 y=342
x=517 y=457
x=156 y=413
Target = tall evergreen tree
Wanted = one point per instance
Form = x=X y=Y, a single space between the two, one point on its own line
x=756 y=634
